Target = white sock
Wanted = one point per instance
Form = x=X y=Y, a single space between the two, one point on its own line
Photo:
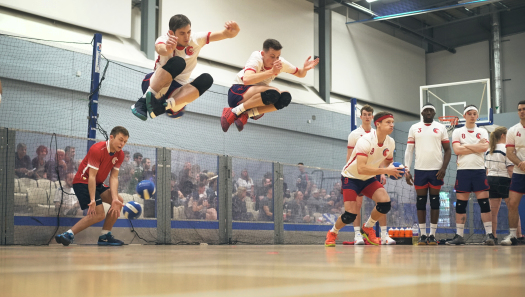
x=335 y=230
x=433 y=228
x=488 y=227
x=423 y=229
x=253 y=112
x=513 y=232
x=357 y=229
x=460 y=229
x=71 y=231
x=370 y=223
x=104 y=232
x=149 y=90
x=238 y=109
x=384 y=231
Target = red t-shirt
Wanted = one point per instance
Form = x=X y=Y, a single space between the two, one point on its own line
x=98 y=157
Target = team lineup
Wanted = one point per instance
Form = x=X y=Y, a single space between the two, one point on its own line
x=370 y=152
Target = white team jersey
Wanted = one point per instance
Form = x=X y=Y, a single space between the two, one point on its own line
x=497 y=162
x=255 y=63
x=428 y=139
x=188 y=53
x=516 y=139
x=355 y=135
x=368 y=146
x=470 y=136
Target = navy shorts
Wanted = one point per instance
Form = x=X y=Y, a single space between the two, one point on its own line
x=378 y=177
x=236 y=94
x=499 y=186
x=471 y=180
x=427 y=178
x=82 y=193
x=517 y=183
x=353 y=187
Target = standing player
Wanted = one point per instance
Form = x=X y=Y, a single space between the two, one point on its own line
x=367 y=114
x=470 y=144
x=429 y=170
x=102 y=158
x=168 y=89
x=251 y=94
x=358 y=176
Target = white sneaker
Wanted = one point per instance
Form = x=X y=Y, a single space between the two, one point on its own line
x=387 y=240
x=509 y=240
x=358 y=239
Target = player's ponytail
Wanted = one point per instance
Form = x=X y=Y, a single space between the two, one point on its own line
x=495 y=137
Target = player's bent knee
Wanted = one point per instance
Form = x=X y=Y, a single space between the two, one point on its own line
x=348 y=217
x=175 y=66
x=383 y=207
x=434 y=202
x=100 y=217
x=284 y=100
x=202 y=83
x=270 y=96
x=484 y=205
x=421 y=203
x=461 y=206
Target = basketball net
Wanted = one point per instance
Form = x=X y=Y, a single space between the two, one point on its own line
x=450 y=122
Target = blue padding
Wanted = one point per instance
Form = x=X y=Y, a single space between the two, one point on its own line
x=252 y=226
x=306 y=227
x=65 y=221
x=194 y=225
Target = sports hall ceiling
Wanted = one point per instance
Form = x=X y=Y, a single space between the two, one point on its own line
x=446 y=28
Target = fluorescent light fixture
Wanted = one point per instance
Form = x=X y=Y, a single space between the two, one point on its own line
x=370 y=1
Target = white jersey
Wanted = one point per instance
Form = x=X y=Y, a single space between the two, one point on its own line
x=376 y=153
x=255 y=63
x=470 y=136
x=497 y=162
x=428 y=140
x=516 y=139
x=355 y=135
x=188 y=53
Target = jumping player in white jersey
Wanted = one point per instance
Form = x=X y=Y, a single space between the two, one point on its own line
x=429 y=138
x=168 y=89
x=516 y=153
x=372 y=151
x=367 y=115
x=251 y=94
x=470 y=144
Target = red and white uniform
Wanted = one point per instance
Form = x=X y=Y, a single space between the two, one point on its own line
x=188 y=53
x=99 y=158
x=470 y=136
x=376 y=153
x=428 y=140
x=516 y=139
x=255 y=63
x=355 y=135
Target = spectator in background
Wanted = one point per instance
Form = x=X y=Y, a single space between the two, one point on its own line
x=71 y=165
x=39 y=162
x=23 y=167
x=298 y=209
x=185 y=170
x=66 y=195
x=246 y=182
x=211 y=191
x=125 y=177
x=127 y=158
x=147 y=173
x=57 y=163
x=137 y=160
x=196 y=171
x=266 y=206
x=234 y=182
x=323 y=194
x=302 y=179
x=239 y=210
x=261 y=191
x=315 y=203
x=176 y=195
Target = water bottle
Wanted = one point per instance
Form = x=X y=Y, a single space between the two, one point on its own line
x=415 y=234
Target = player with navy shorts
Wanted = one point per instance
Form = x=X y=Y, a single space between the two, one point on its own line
x=428 y=138
x=168 y=88
x=367 y=115
x=251 y=94
x=372 y=155
x=470 y=144
x=103 y=158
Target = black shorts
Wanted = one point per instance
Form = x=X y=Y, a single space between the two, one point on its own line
x=82 y=193
x=499 y=186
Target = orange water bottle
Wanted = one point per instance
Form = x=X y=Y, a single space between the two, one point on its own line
x=395 y=232
x=402 y=232
x=391 y=232
x=408 y=232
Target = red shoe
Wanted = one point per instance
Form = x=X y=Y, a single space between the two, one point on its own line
x=227 y=118
x=370 y=235
x=330 y=239
x=241 y=121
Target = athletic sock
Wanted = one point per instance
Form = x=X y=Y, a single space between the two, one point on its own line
x=149 y=90
x=460 y=229
x=513 y=232
x=357 y=229
x=423 y=229
x=238 y=109
x=253 y=112
x=488 y=227
x=104 y=232
x=433 y=228
x=384 y=231
x=370 y=223
x=335 y=230
x=71 y=231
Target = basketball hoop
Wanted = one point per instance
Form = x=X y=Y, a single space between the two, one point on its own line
x=450 y=122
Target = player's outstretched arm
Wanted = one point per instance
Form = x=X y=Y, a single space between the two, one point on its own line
x=116 y=205
x=231 y=29
x=251 y=78
x=308 y=65
x=166 y=49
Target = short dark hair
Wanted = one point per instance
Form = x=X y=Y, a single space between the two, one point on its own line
x=381 y=114
x=272 y=43
x=521 y=102
x=145 y=160
x=126 y=153
x=137 y=155
x=179 y=21
x=68 y=148
x=300 y=163
x=367 y=108
x=119 y=130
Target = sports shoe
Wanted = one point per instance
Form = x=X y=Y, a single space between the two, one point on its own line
x=431 y=240
x=109 y=239
x=255 y=118
x=358 y=239
x=241 y=121
x=330 y=239
x=227 y=118
x=488 y=239
x=370 y=235
x=65 y=238
x=521 y=240
x=509 y=240
x=387 y=240
x=155 y=106
x=422 y=240
x=139 y=109
x=457 y=240
x=175 y=114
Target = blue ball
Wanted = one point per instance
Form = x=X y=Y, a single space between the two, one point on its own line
x=397 y=164
x=145 y=189
x=132 y=210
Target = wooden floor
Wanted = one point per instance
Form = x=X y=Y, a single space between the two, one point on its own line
x=249 y=271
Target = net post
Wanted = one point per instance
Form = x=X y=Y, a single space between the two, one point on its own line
x=7 y=176
x=95 y=82
x=353 y=104
x=3 y=182
x=278 y=202
x=225 y=199
x=163 y=199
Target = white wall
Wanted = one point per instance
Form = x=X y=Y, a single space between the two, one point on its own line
x=106 y=16
x=512 y=67
x=375 y=67
x=291 y=22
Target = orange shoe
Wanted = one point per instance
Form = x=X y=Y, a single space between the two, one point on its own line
x=241 y=121
x=227 y=118
x=370 y=235
x=330 y=238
